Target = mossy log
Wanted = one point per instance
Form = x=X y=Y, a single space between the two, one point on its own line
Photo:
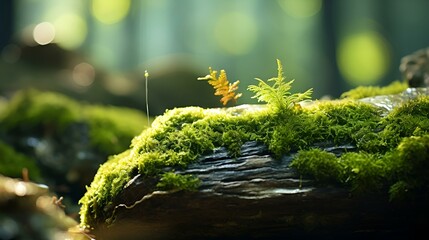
x=326 y=169
x=256 y=196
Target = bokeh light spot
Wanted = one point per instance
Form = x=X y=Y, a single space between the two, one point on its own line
x=44 y=33
x=236 y=33
x=83 y=74
x=301 y=8
x=110 y=11
x=71 y=31
x=20 y=189
x=119 y=85
x=363 y=58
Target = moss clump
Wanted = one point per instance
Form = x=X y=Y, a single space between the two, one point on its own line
x=361 y=171
x=321 y=165
x=12 y=163
x=111 y=128
x=364 y=172
x=402 y=172
x=30 y=109
x=408 y=119
x=173 y=181
x=334 y=121
x=108 y=184
x=370 y=91
x=343 y=121
x=411 y=168
x=393 y=156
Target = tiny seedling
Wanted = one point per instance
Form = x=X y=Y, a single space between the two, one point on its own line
x=277 y=95
x=146 y=76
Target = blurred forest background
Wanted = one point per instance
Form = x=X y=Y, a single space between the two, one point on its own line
x=97 y=50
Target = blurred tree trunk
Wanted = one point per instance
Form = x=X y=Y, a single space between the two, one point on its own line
x=6 y=22
x=330 y=20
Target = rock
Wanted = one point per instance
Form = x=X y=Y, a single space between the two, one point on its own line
x=415 y=68
x=386 y=103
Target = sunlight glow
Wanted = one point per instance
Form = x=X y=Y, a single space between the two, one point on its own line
x=110 y=11
x=71 y=31
x=301 y=8
x=236 y=33
x=363 y=58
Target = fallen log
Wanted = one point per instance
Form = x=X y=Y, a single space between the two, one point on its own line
x=264 y=172
x=256 y=196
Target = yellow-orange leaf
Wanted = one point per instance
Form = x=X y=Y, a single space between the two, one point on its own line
x=222 y=86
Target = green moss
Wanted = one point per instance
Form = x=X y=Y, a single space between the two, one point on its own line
x=31 y=108
x=173 y=181
x=232 y=139
x=321 y=165
x=409 y=119
x=111 y=128
x=393 y=152
x=343 y=121
x=370 y=91
x=291 y=132
x=363 y=172
x=12 y=163
x=402 y=172
x=410 y=167
x=108 y=185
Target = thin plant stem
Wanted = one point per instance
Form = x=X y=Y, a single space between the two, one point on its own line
x=146 y=76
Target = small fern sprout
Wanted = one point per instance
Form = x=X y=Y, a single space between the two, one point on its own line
x=277 y=95
x=222 y=86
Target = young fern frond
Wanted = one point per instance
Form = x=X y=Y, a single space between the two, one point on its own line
x=277 y=95
x=222 y=86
